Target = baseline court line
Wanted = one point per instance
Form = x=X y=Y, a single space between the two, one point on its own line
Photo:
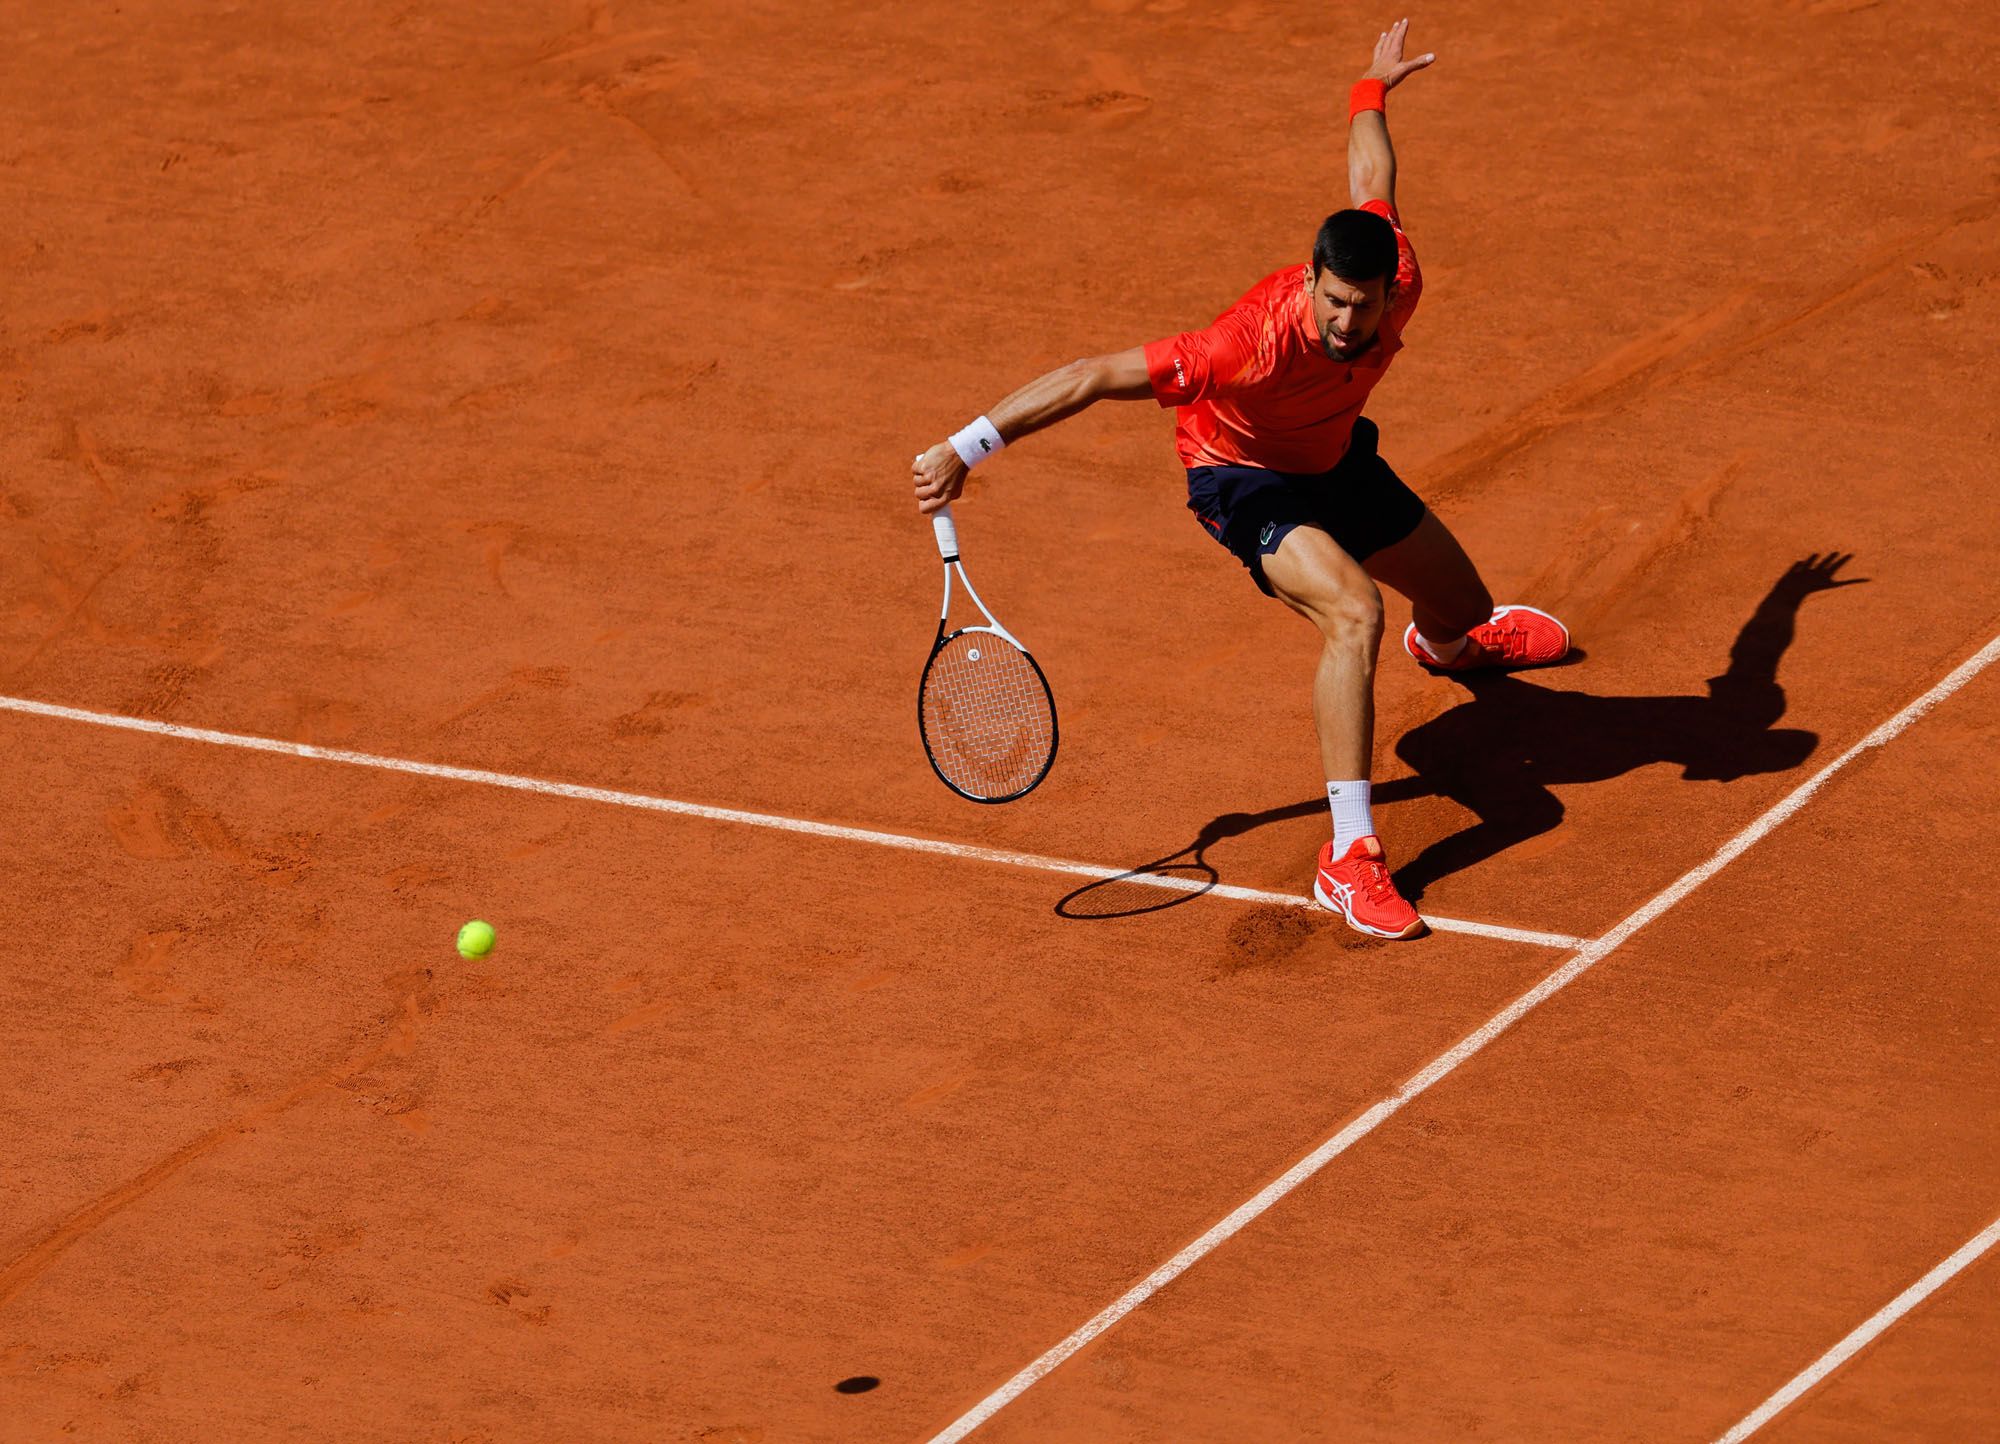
x=1447 y=1062
x=1855 y=1342
x=1003 y=856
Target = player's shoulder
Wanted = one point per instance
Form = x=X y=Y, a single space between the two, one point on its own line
x=1282 y=290
x=1385 y=210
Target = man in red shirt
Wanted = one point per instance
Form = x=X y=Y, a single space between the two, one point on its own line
x=1283 y=470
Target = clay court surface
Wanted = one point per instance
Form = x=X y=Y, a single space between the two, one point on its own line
x=531 y=387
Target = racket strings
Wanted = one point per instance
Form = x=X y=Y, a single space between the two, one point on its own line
x=987 y=716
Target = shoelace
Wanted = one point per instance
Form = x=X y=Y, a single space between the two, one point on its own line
x=1509 y=639
x=1373 y=882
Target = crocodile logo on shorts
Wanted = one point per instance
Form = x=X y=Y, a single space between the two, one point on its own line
x=1264 y=536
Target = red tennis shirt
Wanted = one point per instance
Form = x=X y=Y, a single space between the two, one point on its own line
x=1256 y=387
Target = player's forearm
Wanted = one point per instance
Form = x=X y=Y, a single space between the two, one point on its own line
x=939 y=474
x=1371 y=160
x=1063 y=392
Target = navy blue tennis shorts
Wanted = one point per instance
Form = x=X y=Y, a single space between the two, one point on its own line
x=1361 y=504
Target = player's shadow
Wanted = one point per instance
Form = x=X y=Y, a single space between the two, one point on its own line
x=1499 y=753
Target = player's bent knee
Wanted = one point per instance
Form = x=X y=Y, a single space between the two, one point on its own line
x=1356 y=619
x=1348 y=616
x=1311 y=575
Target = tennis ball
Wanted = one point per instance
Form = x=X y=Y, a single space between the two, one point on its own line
x=475 y=939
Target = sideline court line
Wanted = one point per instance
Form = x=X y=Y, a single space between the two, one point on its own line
x=1452 y=1058
x=1968 y=1253
x=1003 y=856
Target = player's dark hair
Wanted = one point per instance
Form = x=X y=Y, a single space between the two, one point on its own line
x=1356 y=246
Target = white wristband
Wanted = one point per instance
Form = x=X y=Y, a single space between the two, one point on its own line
x=977 y=442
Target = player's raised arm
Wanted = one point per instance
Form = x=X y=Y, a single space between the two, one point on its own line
x=1371 y=160
x=939 y=474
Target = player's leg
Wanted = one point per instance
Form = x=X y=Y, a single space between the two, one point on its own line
x=1268 y=522
x=1408 y=548
x=1310 y=572
x=1446 y=595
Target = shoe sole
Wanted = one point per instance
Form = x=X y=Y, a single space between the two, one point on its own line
x=1410 y=639
x=1320 y=897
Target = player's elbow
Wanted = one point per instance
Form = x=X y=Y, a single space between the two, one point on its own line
x=1082 y=381
x=1121 y=374
x=1084 y=377
x=1371 y=182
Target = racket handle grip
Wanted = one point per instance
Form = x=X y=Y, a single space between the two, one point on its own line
x=947 y=533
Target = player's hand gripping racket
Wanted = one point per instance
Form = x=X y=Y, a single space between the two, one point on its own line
x=984 y=707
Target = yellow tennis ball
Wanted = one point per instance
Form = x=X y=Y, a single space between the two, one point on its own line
x=475 y=939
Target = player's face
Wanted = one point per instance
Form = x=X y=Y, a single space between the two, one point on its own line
x=1346 y=313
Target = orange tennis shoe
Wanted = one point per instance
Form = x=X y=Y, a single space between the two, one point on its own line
x=1359 y=888
x=1515 y=636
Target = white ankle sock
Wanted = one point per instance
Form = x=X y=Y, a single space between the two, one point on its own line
x=1351 y=816
x=1443 y=651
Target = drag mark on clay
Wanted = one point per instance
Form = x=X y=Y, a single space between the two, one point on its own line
x=508 y=1293
x=1607 y=560
x=537 y=678
x=1840 y=7
x=158 y=824
x=968 y=1256
x=1881 y=265
x=84 y=448
x=164 y=687
x=637 y=1018
x=398 y=1040
x=1667 y=354
x=924 y=1097
x=660 y=152
x=527 y=178
x=79 y=608
x=498 y=537
x=192 y=506
x=167 y=1072
x=599 y=47
x=1116 y=93
x=1580 y=396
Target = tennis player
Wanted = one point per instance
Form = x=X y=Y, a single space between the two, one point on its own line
x=1282 y=469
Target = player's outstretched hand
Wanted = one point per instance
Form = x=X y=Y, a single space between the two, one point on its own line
x=939 y=477
x=1389 y=67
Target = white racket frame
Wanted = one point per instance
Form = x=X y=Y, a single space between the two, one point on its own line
x=946 y=532
x=947 y=544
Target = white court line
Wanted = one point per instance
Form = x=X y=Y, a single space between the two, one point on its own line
x=1445 y=1063
x=1855 y=1342
x=1003 y=856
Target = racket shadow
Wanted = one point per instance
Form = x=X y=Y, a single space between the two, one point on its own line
x=1179 y=877
x=1150 y=888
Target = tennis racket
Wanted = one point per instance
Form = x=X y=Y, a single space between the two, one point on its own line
x=984 y=708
